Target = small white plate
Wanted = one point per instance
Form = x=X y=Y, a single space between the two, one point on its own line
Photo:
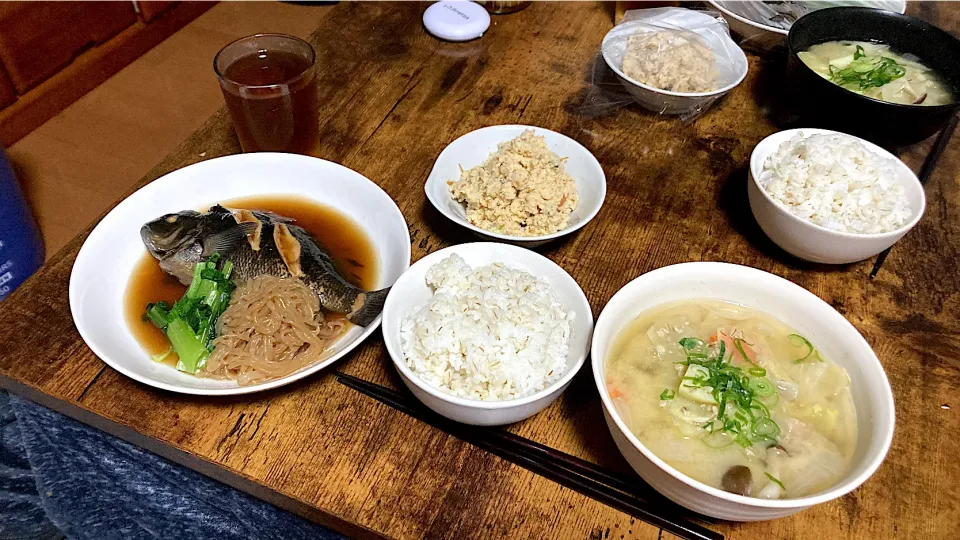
x=100 y=275
x=475 y=147
x=411 y=291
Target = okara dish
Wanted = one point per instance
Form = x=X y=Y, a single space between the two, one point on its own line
x=834 y=181
x=522 y=189
x=873 y=70
x=671 y=60
x=732 y=397
x=487 y=333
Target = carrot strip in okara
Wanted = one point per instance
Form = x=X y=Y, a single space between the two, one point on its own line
x=614 y=392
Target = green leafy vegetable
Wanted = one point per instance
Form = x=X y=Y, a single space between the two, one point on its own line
x=776 y=481
x=667 y=394
x=190 y=324
x=801 y=341
x=867 y=71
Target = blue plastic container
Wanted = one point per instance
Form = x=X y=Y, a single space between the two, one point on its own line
x=21 y=246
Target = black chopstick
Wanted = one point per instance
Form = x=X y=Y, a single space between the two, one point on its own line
x=572 y=472
x=926 y=171
x=527 y=446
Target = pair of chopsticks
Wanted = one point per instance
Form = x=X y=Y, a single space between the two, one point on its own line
x=926 y=170
x=632 y=497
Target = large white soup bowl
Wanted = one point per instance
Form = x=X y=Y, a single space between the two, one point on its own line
x=802 y=311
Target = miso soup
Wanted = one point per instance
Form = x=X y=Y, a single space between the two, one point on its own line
x=873 y=70
x=734 y=398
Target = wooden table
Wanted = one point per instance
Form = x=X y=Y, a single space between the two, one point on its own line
x=392 y=98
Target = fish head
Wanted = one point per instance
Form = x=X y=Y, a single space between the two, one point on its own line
x=166 y=235
x=183 y=239
x=176 y=240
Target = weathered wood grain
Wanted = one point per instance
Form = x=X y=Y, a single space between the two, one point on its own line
x=390 y=102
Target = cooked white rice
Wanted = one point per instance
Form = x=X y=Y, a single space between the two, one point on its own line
x=490 y=333
x=834 y=181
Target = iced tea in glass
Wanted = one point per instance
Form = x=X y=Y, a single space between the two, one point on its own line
x=269 y=84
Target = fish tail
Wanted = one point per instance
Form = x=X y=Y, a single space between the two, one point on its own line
x=370 y=307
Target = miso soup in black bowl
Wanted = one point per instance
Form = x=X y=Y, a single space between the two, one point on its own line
x=821 y=101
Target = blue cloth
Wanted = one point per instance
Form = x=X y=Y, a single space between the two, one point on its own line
x=60 y=478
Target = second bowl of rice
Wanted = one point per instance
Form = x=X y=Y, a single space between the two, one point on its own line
x=829 y=197
x=487 y=333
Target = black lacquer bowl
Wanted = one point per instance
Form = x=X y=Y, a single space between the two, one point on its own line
x=821 y=103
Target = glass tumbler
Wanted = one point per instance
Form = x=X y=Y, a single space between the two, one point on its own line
x=269 y=83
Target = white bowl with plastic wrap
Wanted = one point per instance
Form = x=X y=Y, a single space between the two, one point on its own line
x=731 y=61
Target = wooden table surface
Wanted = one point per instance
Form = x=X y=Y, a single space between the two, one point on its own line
x=391 y=98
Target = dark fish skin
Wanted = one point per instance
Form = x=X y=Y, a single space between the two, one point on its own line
x=181 y=240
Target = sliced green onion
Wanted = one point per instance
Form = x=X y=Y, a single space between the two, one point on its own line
x=718 y=439
x=765 y=427
x=736 y=391
x=801 y=341
x=776 y=481
x=738 y=343
x=762 y=386
x=667 y=394
x=866 y=71
x=757 y=371
x=762 y=409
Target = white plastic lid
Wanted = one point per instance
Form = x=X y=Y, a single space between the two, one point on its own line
x=456 y=21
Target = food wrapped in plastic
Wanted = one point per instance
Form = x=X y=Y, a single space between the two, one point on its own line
x=674 y=60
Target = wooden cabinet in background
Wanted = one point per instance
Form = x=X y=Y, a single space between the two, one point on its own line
x=150 y=10
x=7 y=94
x=37 y=39
x=52 y=53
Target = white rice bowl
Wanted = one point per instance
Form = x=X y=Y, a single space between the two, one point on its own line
x=490 y=333
x=834 y=181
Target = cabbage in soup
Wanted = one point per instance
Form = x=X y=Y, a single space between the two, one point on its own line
x=873 y=70
x=732 y=397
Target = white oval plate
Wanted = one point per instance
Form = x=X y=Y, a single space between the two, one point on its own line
x=100 y=275
x=475 y=147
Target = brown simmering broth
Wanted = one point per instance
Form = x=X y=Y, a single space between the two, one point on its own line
x=348 y=246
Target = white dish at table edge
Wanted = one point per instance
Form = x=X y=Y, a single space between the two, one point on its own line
x=106 y=261
x=475 y=147
x=812 y=242
x=411 y=292
x=801 y=310
x=757 y=34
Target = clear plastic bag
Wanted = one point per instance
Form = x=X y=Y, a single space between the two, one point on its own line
x=669 y=30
